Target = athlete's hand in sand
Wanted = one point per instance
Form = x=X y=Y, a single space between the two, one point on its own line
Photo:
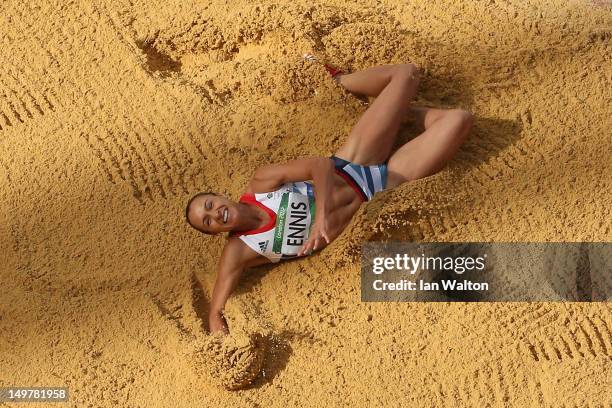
x=217 y=323
x=318 y=237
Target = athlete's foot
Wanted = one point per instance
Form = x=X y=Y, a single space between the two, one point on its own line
x=335 y=73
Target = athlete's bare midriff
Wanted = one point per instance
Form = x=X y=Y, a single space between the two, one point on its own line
x=344 y=203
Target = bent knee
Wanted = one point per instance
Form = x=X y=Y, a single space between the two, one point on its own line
x=463 y=118
x=408 y=70
x=408 y=73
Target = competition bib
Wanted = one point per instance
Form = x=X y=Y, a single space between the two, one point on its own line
x=294 y=220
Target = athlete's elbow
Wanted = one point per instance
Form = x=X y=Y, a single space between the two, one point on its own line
x=321 y=165
x=325 y=163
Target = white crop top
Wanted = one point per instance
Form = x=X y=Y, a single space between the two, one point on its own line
x=291 y=209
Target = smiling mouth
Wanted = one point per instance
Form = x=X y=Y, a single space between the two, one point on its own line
x=225 y=216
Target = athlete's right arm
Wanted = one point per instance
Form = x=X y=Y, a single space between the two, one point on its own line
x=236 y=257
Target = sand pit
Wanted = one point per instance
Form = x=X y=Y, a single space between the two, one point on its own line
x=113 y=113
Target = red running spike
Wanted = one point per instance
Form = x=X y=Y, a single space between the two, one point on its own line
x=332 y=70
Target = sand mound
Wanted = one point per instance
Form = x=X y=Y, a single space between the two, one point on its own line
x=235 y=361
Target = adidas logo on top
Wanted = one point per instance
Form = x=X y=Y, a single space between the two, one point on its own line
x=263 y=245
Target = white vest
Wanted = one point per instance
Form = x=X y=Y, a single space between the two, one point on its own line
x=291 y=209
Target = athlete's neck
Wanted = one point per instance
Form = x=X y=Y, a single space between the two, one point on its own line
x=252 y=217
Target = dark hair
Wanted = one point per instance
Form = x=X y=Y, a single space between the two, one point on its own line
x=203 y=193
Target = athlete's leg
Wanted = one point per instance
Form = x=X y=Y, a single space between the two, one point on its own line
x=426 y=154
x=424 y=117
x=372 y=82
x=372 y=138
x=369 y=82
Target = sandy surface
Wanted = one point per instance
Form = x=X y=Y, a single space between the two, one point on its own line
x=113 y=113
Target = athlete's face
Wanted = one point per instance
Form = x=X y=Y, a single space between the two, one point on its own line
x=214 y=214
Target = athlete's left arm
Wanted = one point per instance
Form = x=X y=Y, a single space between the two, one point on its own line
x=270 y=177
